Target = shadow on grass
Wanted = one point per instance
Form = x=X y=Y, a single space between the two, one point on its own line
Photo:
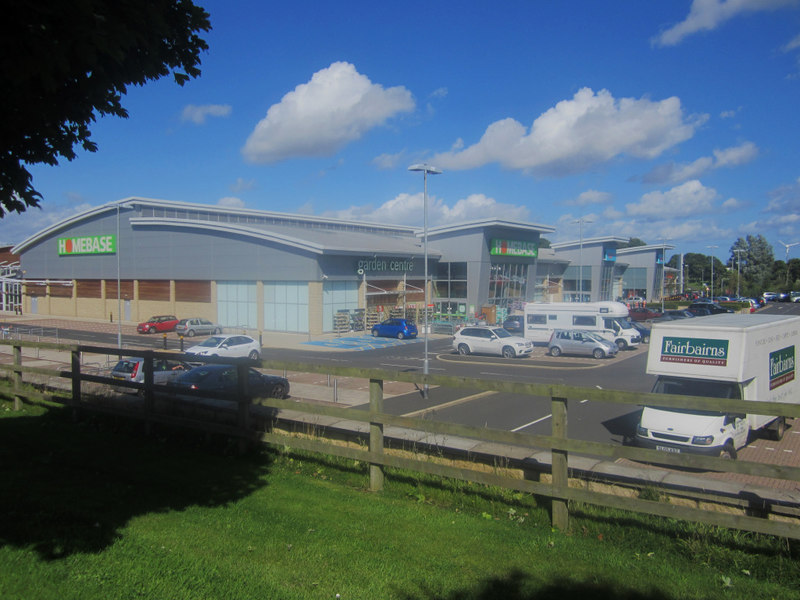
x=68 y=487
x=519 y=586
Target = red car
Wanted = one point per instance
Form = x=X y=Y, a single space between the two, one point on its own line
x=643 y=314
x=158 y=324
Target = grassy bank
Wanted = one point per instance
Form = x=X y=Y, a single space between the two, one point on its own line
x=93 y=509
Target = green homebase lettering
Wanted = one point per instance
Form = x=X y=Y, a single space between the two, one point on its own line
x=87 y=244
x=514 y=248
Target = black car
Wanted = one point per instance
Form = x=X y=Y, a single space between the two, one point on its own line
x=515 y=324
x=644 y=331
x=223 y=378
x=712 y=307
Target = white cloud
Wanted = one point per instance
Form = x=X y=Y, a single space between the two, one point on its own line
x=590 y=197
x=16 y=227
x=690 y=198
x=230 y=202
x=577 y=134
x=672 y=173
x=388 y=161
x=243 y=185
x=794 y=44
x=407 y=209
x=337 y=106
x=707 y=15
x=198 y=114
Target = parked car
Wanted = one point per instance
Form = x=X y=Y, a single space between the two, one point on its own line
x=794 y=296
x=643 y=314
x=679 y=313
x=164 y=371
x=515 y=325
x=223 y=378
x=483 y=339
x=699 y=310
x=644 y=331
x=577 y=341
x=158 y=324
x=197 y=326
x=769 y=296
x=713 y=307
x=228 y=346
x=396 y=327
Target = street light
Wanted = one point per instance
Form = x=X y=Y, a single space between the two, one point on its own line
x=433 y=171
x=580 y=257
x=663 y=268
x=712 y=270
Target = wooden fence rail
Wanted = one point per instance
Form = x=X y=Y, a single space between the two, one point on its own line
x=759 y=513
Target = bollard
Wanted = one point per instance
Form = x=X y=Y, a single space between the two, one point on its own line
x=335 y=390
x=165 y=341
x=181 y=338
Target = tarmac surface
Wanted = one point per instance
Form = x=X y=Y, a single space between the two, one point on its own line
x=344 y=391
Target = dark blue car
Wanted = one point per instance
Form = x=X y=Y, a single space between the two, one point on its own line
x=398 y=328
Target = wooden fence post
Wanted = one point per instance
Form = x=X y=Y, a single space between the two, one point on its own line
x=560 y=460
x=376 y=474
x=149 y=395
x=76 y=383
x=243 y=404
x=17 y=377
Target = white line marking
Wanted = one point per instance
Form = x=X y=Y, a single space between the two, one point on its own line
x=531 y=423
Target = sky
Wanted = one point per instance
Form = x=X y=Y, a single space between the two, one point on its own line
x=672 y=122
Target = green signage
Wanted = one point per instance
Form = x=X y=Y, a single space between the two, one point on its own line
x=87 y=244
x=514 y=248
x=781 y=367
x=696 y=351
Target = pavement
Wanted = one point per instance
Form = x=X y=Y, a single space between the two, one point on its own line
x=350 y=391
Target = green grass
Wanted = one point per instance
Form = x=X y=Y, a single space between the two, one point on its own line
x=94 y=509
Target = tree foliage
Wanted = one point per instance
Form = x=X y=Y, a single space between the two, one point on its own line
x=757 y=262
x=63 y=64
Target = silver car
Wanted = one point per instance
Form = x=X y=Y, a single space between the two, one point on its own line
x=132 y=369
x=579 y=341
x=197 y=326
x=490 y=340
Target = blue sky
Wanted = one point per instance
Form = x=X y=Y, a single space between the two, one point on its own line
x=671 y=121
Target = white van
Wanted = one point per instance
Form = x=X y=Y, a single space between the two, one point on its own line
x=734 y=356
x=609 y=319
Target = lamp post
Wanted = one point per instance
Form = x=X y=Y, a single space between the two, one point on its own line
x=712 y=270
x=119 y=286
x=433 y=171
x=663 y=269
x=580 y=257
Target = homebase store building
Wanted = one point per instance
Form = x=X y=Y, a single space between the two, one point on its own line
x=269 y=271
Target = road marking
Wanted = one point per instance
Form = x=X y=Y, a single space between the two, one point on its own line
x=531 y=423
x=419 y=413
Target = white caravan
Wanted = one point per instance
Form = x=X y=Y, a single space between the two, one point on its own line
x=609 y=319
x=734 y=356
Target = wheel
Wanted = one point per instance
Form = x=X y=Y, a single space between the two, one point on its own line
x=622 y=344
x=278 y=391
x=555 y=351
x=374 y=333
x=508 y=352
x=779 y=429
x=728 y=452
x=190 y=333
x=463 y=349
x=598 y=353
x=253 y=355
x=400 y=335
x=217 y=331
x=645 y=339
x=152 y=329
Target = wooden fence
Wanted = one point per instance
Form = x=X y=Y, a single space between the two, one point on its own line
x=266 y=421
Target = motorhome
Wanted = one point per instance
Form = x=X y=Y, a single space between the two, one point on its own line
x=733 y=356
x=609 y=319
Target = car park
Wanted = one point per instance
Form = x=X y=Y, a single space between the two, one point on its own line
x=228 y=346
x=224 y=379
x=164 y=370
x=575 y=341
x=158 y=324
x=515 y=325
x=482 y=339
x=197 y=326
x=396 y=328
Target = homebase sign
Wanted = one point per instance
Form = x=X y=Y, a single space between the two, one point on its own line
x=514 y=248
x=781 y=367
x=87 y=244
x=696 y=351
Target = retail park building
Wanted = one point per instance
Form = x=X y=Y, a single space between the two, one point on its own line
x=267 y=271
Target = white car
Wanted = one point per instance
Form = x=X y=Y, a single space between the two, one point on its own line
x=228 y=346
x=490 y=340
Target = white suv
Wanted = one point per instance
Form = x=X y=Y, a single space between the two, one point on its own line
x=490 y=340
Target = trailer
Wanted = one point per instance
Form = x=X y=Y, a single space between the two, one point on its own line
x=736 y=356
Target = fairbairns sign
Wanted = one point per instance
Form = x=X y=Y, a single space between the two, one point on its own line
x=696 y=351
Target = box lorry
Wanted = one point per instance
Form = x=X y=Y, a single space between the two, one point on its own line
x=608 y=319
x=735 y=356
